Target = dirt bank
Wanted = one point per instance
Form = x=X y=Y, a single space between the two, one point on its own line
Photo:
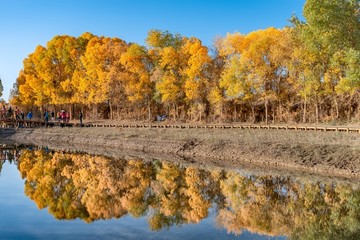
x=333 y=154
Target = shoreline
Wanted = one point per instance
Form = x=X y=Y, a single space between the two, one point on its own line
x=328 y=154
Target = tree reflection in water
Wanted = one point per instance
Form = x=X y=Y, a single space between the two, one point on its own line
x=8 y=154
x=95 y=187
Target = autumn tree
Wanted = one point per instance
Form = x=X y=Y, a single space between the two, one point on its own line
x=100 y=82
x=48 y=72
x=234 y=80
x=256 y=68
x=215 y=95
x=308 y=72
x=139 y=88
x=168 y=64
x=57 y=68
x=196 y=79
x=80 y=72
x=30 y=81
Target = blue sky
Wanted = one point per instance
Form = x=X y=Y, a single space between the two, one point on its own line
x=28 y=23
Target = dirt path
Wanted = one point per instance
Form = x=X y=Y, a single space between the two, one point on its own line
x=331 y=154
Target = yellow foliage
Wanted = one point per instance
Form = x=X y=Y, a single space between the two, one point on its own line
x=169 y=88
x=139 y=87
x=231 y=44
x=197 y=60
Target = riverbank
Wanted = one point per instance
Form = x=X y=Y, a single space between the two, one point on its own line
x=330 y=154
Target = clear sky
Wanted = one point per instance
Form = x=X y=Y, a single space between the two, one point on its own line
x=24 y=24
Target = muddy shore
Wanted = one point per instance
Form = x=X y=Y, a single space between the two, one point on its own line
x=329 y=154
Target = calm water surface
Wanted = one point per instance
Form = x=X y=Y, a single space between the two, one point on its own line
x=57 y=195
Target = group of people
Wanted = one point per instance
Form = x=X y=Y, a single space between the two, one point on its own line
x=61 y=117
x=11 y=113
x=48 y=116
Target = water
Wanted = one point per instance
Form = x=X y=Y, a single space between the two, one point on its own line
x=57 y=195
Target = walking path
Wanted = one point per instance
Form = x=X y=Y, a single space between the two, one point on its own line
x=322 y=128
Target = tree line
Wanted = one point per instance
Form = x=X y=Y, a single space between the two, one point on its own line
x=307 y=72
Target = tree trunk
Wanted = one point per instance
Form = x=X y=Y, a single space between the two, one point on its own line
x=349 y=108
x=279 y=112
x=95 y=111
x=253 y=112
x=83 y=112
x=235 y=112
x=111 y=110
x=73 y=110
x=304 y=112
x=168 y=110
x=317 y=112
x=273 y=114
x=176 y=114
x=266 y=111
x=149 y=111
x=70 y=113
x=337 y=108
x=221 y=112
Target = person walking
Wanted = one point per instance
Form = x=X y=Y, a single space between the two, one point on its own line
x=80 y=117
x=46 y=118
x=29 y=115
x=58 y=117
x=67 y=115
x=63 y=116
x=52 y=116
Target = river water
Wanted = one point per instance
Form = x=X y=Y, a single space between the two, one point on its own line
x=47 y=194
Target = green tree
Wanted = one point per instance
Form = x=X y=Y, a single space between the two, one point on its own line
x=1 y=88
x=331 y=30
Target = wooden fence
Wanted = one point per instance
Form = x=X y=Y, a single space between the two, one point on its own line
x=28 y=123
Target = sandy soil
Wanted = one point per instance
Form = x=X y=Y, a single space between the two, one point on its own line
x=330 y=154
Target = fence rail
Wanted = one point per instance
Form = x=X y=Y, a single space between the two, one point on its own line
x=28 y=123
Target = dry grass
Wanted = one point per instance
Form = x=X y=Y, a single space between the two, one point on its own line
x=215 y=135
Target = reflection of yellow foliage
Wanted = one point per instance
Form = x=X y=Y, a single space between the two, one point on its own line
x=94 y=187
x=137 y=176
x=197 y=197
